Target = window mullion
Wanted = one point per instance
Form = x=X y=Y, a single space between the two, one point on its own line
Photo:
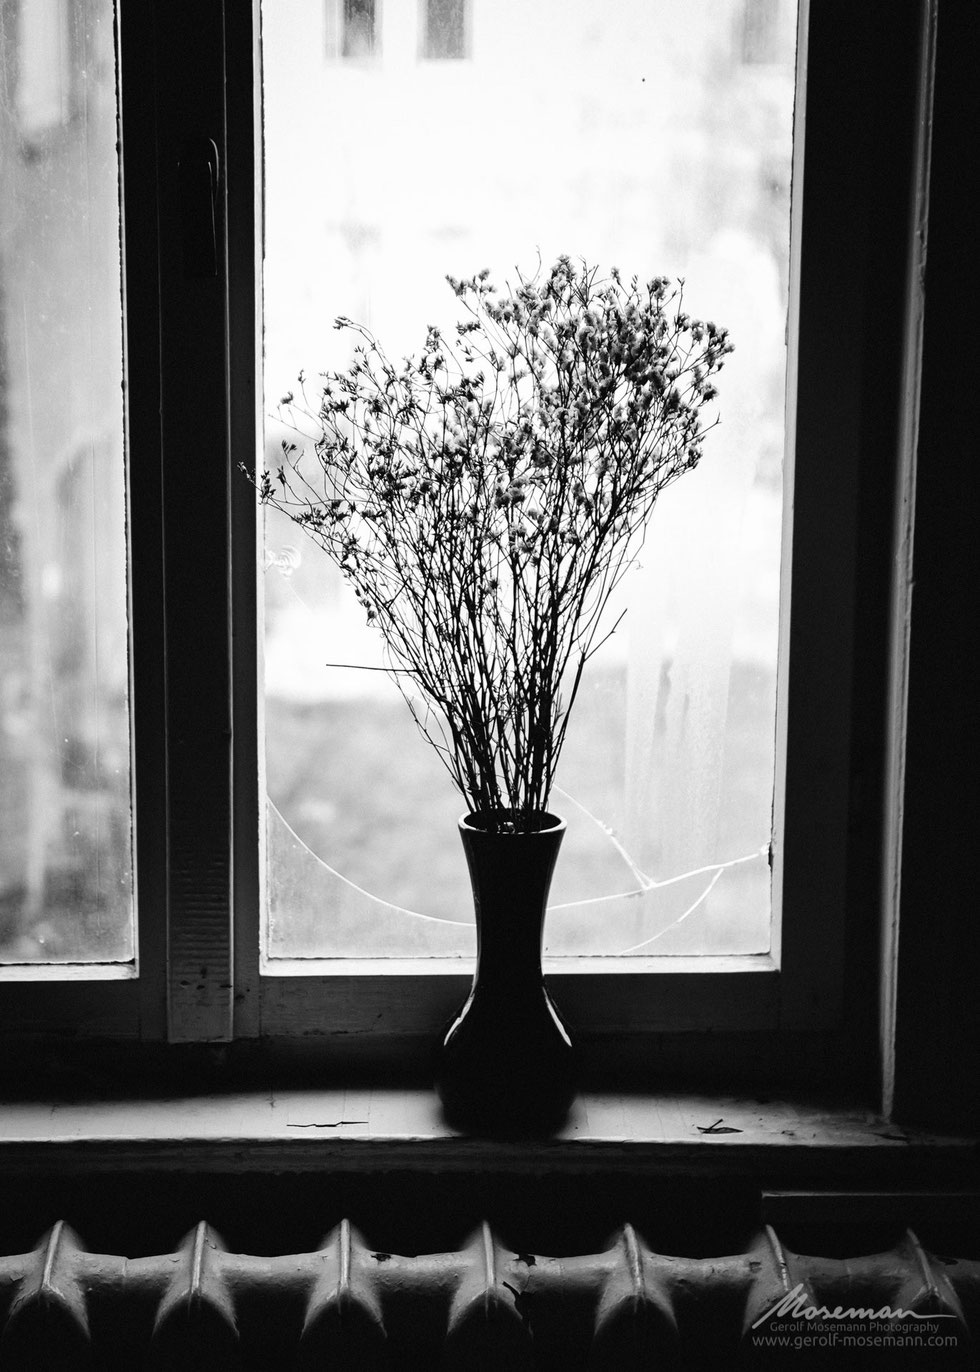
x=193 y=331
x=243 y=106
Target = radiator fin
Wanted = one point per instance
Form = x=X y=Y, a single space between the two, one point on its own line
x=195 y=1323
x=486 y=1329
x=344 y=1325
x=49 y=1309
x=635 y=1321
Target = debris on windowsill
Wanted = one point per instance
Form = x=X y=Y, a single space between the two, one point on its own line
x=323 y=1124
x=719 y=1127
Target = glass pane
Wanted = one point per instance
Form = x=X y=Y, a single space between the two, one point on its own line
x=65 y=843
x=653 y=136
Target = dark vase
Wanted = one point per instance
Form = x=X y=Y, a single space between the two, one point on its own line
x=505 y=1064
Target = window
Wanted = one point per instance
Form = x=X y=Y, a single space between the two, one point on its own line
x=666 y=781
x=352 y=28
x=444 y=28
x=66 y=892
x=761 y=24
x=45 y=69
x=192 y=407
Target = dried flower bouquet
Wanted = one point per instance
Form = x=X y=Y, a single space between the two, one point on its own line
x=485 y=498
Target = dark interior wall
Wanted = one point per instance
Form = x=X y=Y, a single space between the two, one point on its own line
x=411 y=1212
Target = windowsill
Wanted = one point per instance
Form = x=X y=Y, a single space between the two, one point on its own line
x=57 y=972
x=370 y=1129
x=553 y=967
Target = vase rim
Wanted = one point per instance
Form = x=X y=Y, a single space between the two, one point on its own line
x=470 y=823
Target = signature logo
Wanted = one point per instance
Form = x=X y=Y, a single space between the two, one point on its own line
x=794 y=1305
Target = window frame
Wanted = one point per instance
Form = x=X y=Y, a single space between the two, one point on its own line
x=197 y=795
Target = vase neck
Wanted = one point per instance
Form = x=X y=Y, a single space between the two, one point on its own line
x=511 y=877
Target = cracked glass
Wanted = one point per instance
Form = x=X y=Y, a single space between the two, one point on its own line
x=654 y=136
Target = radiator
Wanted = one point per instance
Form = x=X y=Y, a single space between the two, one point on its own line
x=354 y=1308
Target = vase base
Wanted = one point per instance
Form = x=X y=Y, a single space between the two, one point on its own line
x=505 y=1122
x=530 y=1098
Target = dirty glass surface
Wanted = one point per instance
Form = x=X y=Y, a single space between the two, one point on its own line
x=650 y=135
x=65 y=828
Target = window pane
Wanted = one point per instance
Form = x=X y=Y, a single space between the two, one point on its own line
x=651 y=135
x=65 y=845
